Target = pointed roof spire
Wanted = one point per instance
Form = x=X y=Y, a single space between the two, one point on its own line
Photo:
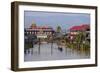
x=33 y=24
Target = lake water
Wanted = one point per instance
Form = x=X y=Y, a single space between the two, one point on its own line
x=47 y=53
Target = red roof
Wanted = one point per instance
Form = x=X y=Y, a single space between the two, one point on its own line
x=80 y=28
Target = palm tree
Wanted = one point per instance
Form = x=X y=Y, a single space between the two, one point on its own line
x=79 y=39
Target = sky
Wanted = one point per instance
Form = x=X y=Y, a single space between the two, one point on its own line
x=54 y=19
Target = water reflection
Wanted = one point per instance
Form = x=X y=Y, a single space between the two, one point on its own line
x=46 y=51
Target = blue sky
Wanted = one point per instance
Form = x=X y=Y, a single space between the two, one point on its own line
x=53 y=19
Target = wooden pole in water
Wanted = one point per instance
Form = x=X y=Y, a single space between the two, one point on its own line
x=51 y=46
x=39 y=46
x=32 y=47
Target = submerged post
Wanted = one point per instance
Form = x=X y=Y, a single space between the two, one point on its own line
x=39 y=46
x=52 y=45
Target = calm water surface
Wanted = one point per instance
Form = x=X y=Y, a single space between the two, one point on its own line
x=48 y=52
